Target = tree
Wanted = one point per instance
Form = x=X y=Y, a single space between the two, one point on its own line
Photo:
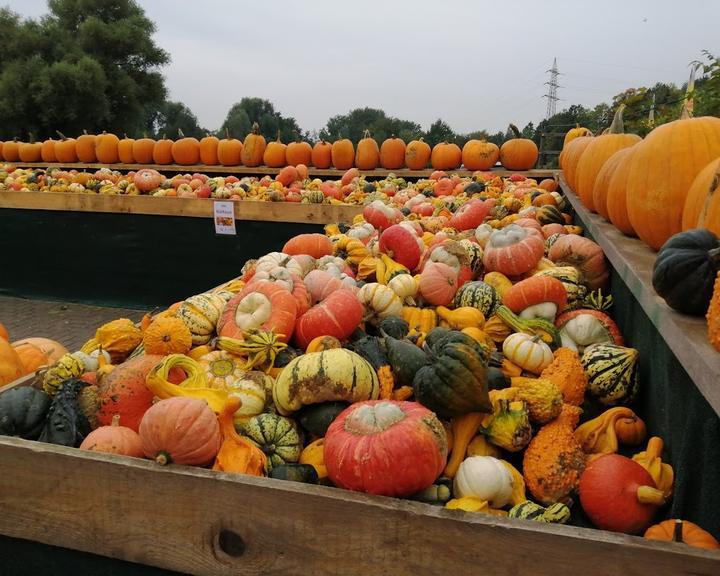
x=88 y=64
x=707 y=88
x=174 y=116
x=381 y=126
x=438 y=132
x=243 y=114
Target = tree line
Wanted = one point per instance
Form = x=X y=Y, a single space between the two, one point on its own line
x=93 y=65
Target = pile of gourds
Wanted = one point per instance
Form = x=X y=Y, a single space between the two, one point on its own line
x=464 y=358
x=674 y=206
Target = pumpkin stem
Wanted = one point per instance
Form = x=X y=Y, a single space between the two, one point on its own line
x=163 y=458
x=125 y=135
x=650 y=495
x=62 y=136
x=180 y=133
x=255 y=128
x=84 y=131
x=617 y=126
x=115 y=420
x=31 y=138
x=366 y=134
x=677 y=532
x=278 y=137
x=515 y=130
x=227 y=133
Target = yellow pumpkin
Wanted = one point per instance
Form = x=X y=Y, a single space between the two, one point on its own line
x=222 y=369
x=118 y=338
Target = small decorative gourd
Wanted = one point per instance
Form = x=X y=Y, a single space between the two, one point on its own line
x=486 y=478
x=528 y=352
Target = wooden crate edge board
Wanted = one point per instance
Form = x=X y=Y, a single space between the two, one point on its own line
x=686 y=336
x=173 y=517
x=189 y=207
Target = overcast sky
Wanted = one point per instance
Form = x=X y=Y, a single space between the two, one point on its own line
x=475 y=64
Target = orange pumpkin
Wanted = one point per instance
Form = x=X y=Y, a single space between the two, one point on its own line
x=275 y=154
x=209 y=150
x=598 y=151
x=682 y=531
x=602 y=181
x=571 y=156
x=37 y=352
x=438 y=283
x=11 y=366
x=702 y=207
x=230 y=151
x=47 y=151
x=617 y=192
x=114 y=439
x=392 y=153
x=417 y=154
x=663 y=169
x=315 y=245
x=321 y=156
x=168 y=335
x=85 y=148
x=185 y=151
x=298 y=152
x=518 y=153
x=4 y=333
x=343 y=154
x=162 y=151
x=367 y=156
x=143 y=150
x=30 y=151
x=549 y=184
x=11 y=150
x=125 y=150
x=253 y=147
x=574 y=133
x=287 y=175
x=446 y=156
x=65 y=149
x=180 y=430
x=480 y=155
x=147 y=179
x=106 y=148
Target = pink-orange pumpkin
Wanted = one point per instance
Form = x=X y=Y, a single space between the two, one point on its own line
x=535 y=290
x=147 y=179
x=114 y=439
x=315 y=245
x=514 y=250
x=471 y=214
x=321 y=284
x=401 y=245
x=337 y=315
x=438 y=283
x=180 y=430
x=385 y=447
x=583 y=254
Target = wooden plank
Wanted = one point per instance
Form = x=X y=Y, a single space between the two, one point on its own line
x=332 y=173
x=191 y=207
x=200 y=522
x=685 y=335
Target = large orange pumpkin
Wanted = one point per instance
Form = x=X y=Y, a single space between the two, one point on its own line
x=663 y=169
x=571 y=156
x=209 y=150
x=106 y=148
x=85 y=147
x=253 y=147
x=596 y=154
x=702 y=206
x=142 y=150
x=446 y=156
x=275 y=154
x=343 y=154
x=30 y=151
x=298 y=152
x=417 y=154
x=518 y=153
x=11 y=366
x=125 y=150
x=114 y=439
x=321 y=156
x=185 y=151
x=367 y=155
x=392 y=153
x=602 y=182
x=229 y=150
x=480 y=155
x=65 y=150
x=162 y=151
x=47 y=151
x=617 y=193
x=11 y=150
x=315 y=245
x=37 y=352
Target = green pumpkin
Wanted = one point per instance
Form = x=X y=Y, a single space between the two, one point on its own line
x=23 y=411
x=405 y=359
x=496 y=379
x=454 y=381
x=295 y=473
x=316 y=418
x=612 y=373
x=549 y=214
x=313 y=197
x=394 y=326
x=477 y=294
x=66 y=425
x=275 y=435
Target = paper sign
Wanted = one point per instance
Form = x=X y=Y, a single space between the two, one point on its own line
x=224 y=217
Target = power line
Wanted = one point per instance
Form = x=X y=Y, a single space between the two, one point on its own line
x=553 y=85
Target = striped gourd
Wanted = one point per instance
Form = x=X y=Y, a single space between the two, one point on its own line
x=477 y=294
x=474 y=253
x=379 y=301
x=201 y=314
x=557 y=513
x=612 y=373
x=276 y=436
x=549 y=214
x=571 y=280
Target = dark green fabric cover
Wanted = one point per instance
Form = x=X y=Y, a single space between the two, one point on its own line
x=126 y=260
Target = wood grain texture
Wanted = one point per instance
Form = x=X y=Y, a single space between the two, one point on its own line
x=330 y=172
x=191 y=207
x=685 y=335
x=202 y=522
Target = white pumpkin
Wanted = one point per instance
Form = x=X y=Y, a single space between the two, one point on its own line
x=331 y=264
x=279 y=275
x=250 y=388
x=584 y=330
x=486 y=478
x=91 y=361
x=405 y=286
x=528 y=352
x=482 y=234
x=546 y=310
x=253 y=311
x=379 y=301
x=307 y=264
x=275 y=259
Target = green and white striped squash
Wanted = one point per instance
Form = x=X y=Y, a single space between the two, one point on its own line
x=201 y=314
x=474 y=253
x=612 y=373
x=571 y=280
x=478 y=294
x=276 y=436
x=557 y=513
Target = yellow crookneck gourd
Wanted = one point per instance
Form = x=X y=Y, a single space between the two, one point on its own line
x=599 y=436
x=464 y=427
x=463 y=317
x=651 y=460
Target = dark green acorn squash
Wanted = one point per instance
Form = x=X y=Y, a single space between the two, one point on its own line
x=474 y=188
x=66 y=424
x=316 y=418
x=454 y=381
x=435 y=335
x=405 y=359
x=285 y=356
x=23 y=411
x=276 y=436
x=295 y=473
x=685 y=270
x=395 y=327
x=496 y=379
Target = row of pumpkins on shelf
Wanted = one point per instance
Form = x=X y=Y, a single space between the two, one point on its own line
x=447 y=365
x=517 y=153
x=292 y=184
x=664 y=189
